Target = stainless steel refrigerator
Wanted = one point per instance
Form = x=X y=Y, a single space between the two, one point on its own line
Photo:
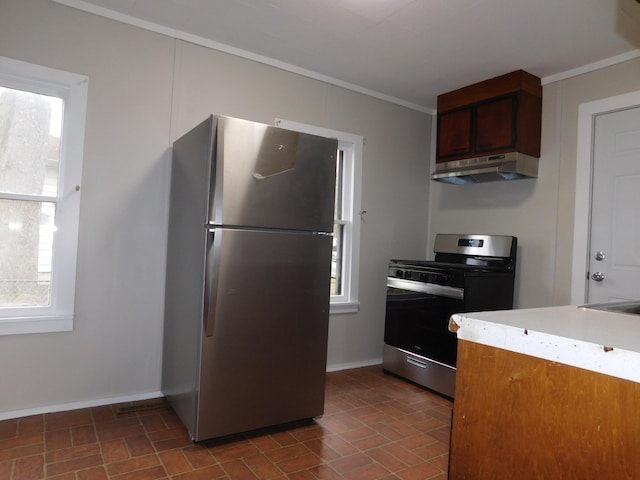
x=248 y=276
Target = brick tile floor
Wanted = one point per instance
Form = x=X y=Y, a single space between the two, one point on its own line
x=375 y=426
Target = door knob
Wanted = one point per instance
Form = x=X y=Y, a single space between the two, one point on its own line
x=599 y=256
x=597 y=276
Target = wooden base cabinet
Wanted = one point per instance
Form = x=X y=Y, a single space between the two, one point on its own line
x=521 y=417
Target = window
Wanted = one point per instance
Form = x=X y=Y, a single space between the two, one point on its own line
x=346 y=228
x=42 y=113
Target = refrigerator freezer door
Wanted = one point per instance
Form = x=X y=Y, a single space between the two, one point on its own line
x=263 y=357
x=269 y=177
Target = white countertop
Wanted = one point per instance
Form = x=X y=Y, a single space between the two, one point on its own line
x=603 y=342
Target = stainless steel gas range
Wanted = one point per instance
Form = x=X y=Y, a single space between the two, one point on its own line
x=469 y=273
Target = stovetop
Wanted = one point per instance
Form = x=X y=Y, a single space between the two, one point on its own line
x=433 y=265
x=457 y=256
x=449 y=274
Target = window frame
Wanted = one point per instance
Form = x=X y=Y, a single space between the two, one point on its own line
x=352 y=145
x=72 y=89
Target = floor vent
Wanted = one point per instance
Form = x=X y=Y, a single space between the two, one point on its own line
x=140 y=407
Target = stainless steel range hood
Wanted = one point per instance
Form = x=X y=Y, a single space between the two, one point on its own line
x=506 y=166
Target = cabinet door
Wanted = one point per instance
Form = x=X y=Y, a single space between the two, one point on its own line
x=454 y=134
x=496 y=124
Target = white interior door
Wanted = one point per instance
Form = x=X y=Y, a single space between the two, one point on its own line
x=614 y=255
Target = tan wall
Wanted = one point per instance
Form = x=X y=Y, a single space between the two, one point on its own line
x=145 y=89
x=609 y=82
x=539 y=212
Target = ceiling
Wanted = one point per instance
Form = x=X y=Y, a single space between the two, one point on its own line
x=407 y=51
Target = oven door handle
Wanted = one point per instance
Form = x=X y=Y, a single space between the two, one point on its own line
x=429 y=288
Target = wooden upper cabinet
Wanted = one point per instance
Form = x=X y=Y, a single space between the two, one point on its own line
x=496 y=116
x=454 y=129
x=495 y=124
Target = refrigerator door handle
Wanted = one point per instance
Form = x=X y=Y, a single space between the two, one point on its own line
x=211 y=282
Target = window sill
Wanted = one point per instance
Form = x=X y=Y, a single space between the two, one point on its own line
x=344 y=308
x=22 y=325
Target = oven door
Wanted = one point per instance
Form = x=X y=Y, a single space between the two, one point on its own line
x=417 y=318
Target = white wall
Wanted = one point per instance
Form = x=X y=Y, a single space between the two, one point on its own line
x=539 y=212
x=145 y=90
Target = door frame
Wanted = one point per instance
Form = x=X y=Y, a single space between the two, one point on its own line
x=584 y=173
